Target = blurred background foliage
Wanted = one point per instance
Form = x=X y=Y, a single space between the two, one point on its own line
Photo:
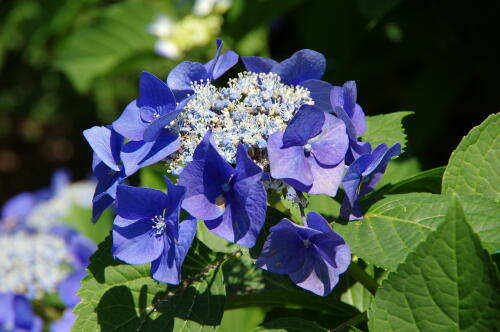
x=67 y=65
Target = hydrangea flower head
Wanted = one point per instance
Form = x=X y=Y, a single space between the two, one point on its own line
x=17 y=314
x=147 y=229
x=313 y=255
x=252 y=107
x=231 y=201
x=362 y=176
x=309 y=154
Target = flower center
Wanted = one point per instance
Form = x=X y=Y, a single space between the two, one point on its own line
x=306 y=243
x=307 y=148
x=159 y=224
x=248 y=110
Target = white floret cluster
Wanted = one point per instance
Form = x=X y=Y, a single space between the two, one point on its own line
x=52 y=212
x=32 y=264
x=252 y=107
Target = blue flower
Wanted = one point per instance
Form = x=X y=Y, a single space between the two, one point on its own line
x=343 y=104
x=313 y=256
x=113 y=161
x=65 y=323
x=147 y=229
x=16 y=314
x=231 y=201
x=145 y=118
x=309 y=155
x=180 y=78
x=362 y=176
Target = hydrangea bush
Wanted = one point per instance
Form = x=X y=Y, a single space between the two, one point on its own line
x=264 y=193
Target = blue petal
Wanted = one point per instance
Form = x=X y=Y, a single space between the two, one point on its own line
x=320 y=93
x=99 y=204
x=304 y=125
x=59 y=180
x=155 y=94
x=350 y=96
x=315 y=275
x=283 y=252
x=179 y=79
x=19 y=206
x=23 y=312
x=352 y=177
x=167 y=268
x=378 y=166
x=138 y=154
x=68 y=287
x=317 y=222
x=203 y=179
x=245 y=167
x=244 y=215
x=330 y=146
x=326 y=179
x=220 y=63
x=138 y=242
x=333 y=249
x=301 y=66
x=81 y=248
x=258 y=64
x=173 y=206
x=137 y=202
x=289 y=163
x=155 y=129
x=65 y=323
x=106 y=144
x=7 y=312
x=130 y=124
x=105 y=192
x=359 y=120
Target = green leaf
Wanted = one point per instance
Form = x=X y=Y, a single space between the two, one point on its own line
x=356 y=294
x=292 y=299
x=398 y=170
x=473 y=166
x=447 y=284
x=153 y=176
x=95 y=50
x=394 y=226
x=427 y=181
x=386 y=128
x=242 y=320
x=291 y=324
x=120 y=297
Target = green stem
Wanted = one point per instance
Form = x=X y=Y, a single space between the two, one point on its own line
x=358 y=319
x=356 y=272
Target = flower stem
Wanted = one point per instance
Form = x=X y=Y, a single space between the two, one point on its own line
x=356 y=272
x=360 y=318
x=301 y=207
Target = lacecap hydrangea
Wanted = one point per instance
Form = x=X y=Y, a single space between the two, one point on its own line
x=275 y=129
x=40 y=254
